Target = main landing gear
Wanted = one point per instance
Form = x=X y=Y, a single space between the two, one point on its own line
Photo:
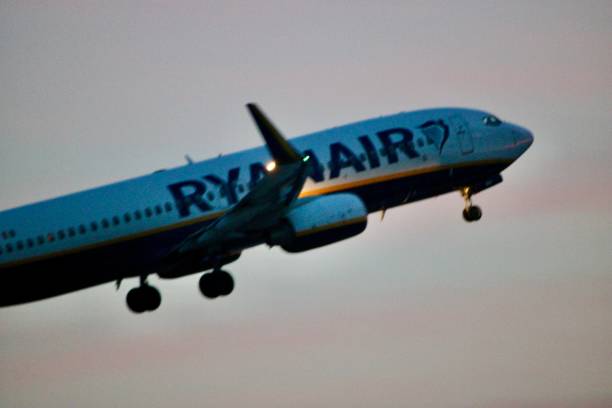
x=144 y=298
x=471 y=212
x=216 y=283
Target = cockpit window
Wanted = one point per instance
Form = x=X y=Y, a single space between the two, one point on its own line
x=491 y=120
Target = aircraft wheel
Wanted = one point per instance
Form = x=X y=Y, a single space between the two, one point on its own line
x=152 y=297
x=143 y=299
x=207 y=286
x=225 y=283
x=472 y=213
x=135 y=301
x=215 y=284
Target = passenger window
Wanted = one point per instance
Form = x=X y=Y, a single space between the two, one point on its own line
x=137 y=214
x=148 y=212
x=158 y=209
x=105 y=223
x=116 y=220
x=9 y=248
x=12 y=233
x=71 y=232
x=61 y=234
x=168 y=207
x=127 y=218
x=40 y=240
x=94 y=226
x=1 y=250
x=82 y=229
x=50 y=237
x=19 y=245
x=210 y=196
x=30 y=242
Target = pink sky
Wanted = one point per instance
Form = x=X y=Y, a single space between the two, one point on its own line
x=422 y=309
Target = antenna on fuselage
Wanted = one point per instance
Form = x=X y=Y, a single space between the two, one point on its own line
x=189 y=160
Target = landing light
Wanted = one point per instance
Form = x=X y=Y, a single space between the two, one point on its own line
x=270 y=166
x=305 y=158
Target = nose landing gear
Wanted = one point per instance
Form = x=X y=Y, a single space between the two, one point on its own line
x=144 y=298
x=471 y=212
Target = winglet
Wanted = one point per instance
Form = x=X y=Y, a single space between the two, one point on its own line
x=280 y=149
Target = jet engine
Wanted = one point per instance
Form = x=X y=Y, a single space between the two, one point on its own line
x=318 y=221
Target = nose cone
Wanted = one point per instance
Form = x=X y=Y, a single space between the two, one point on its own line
x=523 y=138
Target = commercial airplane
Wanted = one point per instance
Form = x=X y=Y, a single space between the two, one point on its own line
x=312 y=191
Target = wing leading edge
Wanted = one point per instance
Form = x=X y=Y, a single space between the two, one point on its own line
x=258 y=211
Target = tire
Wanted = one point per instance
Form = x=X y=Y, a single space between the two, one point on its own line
x=471 y=214
x=152 y=298
x=215 y=284
x=208 y=285
x=225 y=283
x=475 y=213
x=135 y=301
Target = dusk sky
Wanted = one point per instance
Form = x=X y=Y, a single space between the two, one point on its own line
x=420 y=310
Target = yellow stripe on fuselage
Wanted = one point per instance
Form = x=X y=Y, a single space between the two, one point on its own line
x=395 y=176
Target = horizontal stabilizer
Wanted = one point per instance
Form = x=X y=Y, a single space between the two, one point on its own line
x=282 y=152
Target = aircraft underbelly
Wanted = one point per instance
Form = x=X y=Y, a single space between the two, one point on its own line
x=57 y=275
x=411 y=188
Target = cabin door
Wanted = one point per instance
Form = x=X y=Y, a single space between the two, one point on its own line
x=464 y=136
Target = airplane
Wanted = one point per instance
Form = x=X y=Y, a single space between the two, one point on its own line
x=300 y=194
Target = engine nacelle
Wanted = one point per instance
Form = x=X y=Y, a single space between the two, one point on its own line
x=319 y=221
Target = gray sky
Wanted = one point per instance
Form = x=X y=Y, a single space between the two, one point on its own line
x=422 y=309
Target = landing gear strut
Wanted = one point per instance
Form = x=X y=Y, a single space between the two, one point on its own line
x=144 y=298
x=470 y=212
x=216 y=283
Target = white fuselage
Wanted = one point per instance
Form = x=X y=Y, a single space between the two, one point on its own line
x=386 y=161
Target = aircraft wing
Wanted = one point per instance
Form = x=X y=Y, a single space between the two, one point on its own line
x=262 y=207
